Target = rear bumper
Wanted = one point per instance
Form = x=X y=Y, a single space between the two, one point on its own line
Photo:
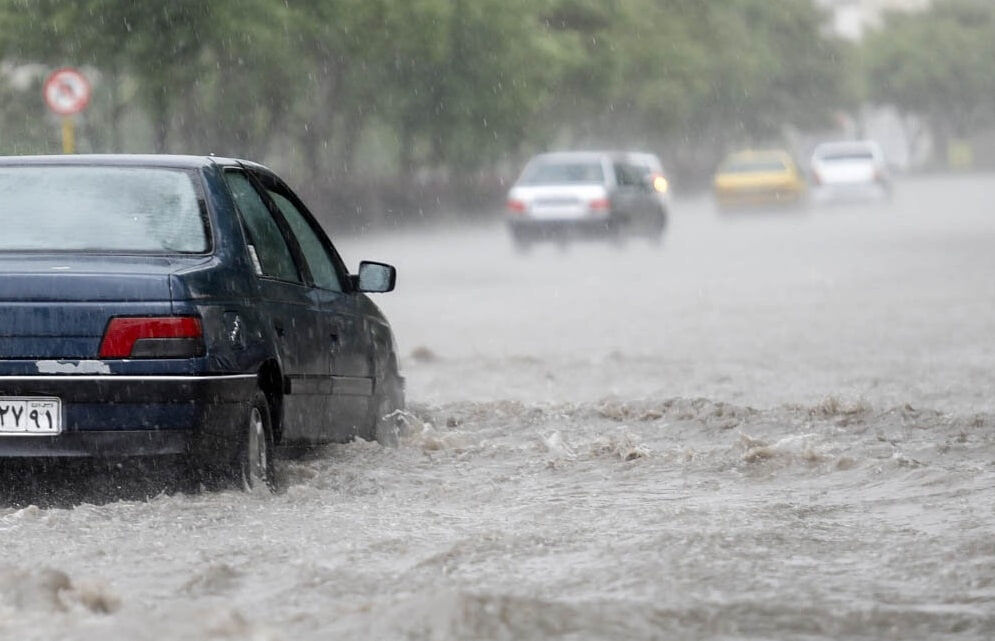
x=112 y=388
x=540 y=229
x=733 y=199
x=109 y=416
x=99 y=444
x=851 y=192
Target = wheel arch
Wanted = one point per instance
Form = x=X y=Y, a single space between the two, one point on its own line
x=271 y=384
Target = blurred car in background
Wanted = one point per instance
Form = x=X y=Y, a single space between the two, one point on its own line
x=848 y=171
x=756 y=178
x=588 y=194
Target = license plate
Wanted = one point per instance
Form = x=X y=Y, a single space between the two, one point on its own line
x=30 y=415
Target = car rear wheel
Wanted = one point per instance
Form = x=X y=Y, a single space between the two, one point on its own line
x=521 y=240
x=616 y=233
x=658 y=227
x=255 y=459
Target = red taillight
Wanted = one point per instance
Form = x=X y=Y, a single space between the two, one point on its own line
x=153 y=337
x=516 y=206
x=599 y=205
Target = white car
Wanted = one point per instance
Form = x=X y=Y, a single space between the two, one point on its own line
x=567 y=195
x=849 y=171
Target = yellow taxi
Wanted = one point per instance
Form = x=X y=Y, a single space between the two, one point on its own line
x=758 y=177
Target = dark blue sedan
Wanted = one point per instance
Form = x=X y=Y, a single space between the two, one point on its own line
x=154 y=305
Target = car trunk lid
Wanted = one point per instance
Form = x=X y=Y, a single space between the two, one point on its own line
x=843 y=172
x=550 y=202
x=57 y=307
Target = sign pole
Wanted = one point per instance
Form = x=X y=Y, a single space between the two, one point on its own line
x=68 y=135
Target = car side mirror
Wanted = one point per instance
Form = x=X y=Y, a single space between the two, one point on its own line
x=375 y=278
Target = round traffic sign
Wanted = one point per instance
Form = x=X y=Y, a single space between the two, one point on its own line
x=66 y=91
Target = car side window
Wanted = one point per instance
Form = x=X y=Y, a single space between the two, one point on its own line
x=268 y=247
x=627 y=176
x=314 y=250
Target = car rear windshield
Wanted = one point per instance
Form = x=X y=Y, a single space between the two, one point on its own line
x=112 y=209
x=563 y=173
x=753 y=166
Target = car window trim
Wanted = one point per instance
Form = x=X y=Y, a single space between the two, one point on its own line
x=321 y=245
x=625 y=173
x=288 y=233
x=345 y=282
x=295 y=251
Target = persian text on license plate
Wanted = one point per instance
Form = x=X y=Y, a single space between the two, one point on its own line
x=30 y=415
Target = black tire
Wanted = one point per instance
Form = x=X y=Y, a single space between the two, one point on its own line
x=659 y=227
x=616 y=233
x=385 y=425
x=522 y=246
x=254 y=465
x=521 y=239
x=889 y=193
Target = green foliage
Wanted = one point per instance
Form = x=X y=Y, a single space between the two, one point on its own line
x=937 y=64
x=448 y=87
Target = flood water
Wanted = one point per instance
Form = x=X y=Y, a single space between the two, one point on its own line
x=774 y=425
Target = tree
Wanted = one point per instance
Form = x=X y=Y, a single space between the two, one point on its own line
x=448 y=89
x=938 y=65
x=696 y=77
x=159 y=46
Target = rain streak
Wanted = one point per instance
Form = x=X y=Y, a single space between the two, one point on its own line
x=694 y=314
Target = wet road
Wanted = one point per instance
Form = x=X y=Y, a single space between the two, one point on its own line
x=773 y=426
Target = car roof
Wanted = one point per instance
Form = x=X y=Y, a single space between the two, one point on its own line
x=596 y=154
x=144 y=160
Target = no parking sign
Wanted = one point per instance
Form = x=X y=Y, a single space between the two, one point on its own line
x=67 y=92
